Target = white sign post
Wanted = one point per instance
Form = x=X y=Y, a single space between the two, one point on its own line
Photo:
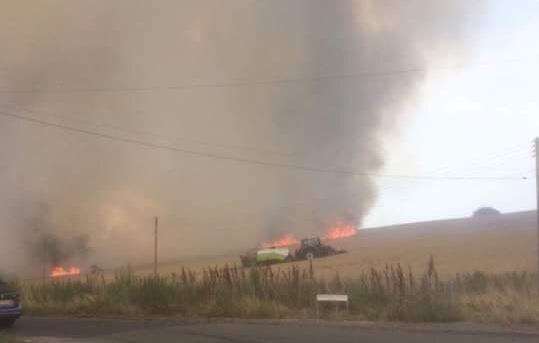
x=336 y=298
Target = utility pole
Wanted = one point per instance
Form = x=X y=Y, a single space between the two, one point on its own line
x=45 y=258
x=46 y=263
x=155 y=247
x=537 y=194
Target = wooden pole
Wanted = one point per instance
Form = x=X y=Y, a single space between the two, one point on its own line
x=156 y=223
x=45 y=258
x=537 y=194
x=311 y=271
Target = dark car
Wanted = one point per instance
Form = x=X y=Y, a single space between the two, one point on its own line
x=10 y=306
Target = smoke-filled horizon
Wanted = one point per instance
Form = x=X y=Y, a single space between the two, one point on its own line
x=205 y=76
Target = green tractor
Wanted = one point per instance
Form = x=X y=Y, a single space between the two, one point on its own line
x=313 y=247
x=310 y=248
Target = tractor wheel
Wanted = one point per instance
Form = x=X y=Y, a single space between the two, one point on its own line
x=309 y=255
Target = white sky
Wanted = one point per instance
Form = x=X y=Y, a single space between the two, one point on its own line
x=478 y=120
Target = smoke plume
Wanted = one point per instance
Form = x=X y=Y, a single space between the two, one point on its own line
x=310 y=83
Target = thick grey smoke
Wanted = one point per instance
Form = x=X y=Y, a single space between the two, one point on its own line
x=309 y=82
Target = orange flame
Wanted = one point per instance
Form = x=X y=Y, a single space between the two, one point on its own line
x=60 y=271
x=283 y=241
x=341 y=231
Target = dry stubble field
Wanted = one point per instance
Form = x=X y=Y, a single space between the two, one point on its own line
x=496 y=244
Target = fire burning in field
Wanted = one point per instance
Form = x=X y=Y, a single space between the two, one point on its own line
x=61 y=271
x=341 y=231
x=283 y=241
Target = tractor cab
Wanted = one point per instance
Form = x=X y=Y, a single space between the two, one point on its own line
x=313 y=248
x=312 y=242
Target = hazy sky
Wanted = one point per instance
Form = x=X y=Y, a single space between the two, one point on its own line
x=471 y=109
x=478 y=120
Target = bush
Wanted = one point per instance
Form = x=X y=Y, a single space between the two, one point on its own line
x=486 y=212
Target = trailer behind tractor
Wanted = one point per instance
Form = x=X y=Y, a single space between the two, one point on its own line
x=309 y=248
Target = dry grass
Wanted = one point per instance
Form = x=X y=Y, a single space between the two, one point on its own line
x=506 y=299
x=388 y=294
x=503 y=308
x=482 y=274
x=7 y=338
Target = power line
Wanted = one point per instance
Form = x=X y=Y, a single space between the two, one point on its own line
x=489 y=161
x=289 y=154
x=148 y=133
x=246 y=160
x=153 y=134
x=243 y=83
x=239 y=83
x=497 y=156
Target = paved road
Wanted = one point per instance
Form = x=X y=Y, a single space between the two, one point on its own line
x=38 y=330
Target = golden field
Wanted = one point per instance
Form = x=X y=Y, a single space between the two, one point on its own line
x=481 y=250
x=491 y=244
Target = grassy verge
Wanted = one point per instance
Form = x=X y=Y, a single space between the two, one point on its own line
x=389 y=294
x=7 y=338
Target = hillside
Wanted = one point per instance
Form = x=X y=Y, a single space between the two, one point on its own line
x=497 y=244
